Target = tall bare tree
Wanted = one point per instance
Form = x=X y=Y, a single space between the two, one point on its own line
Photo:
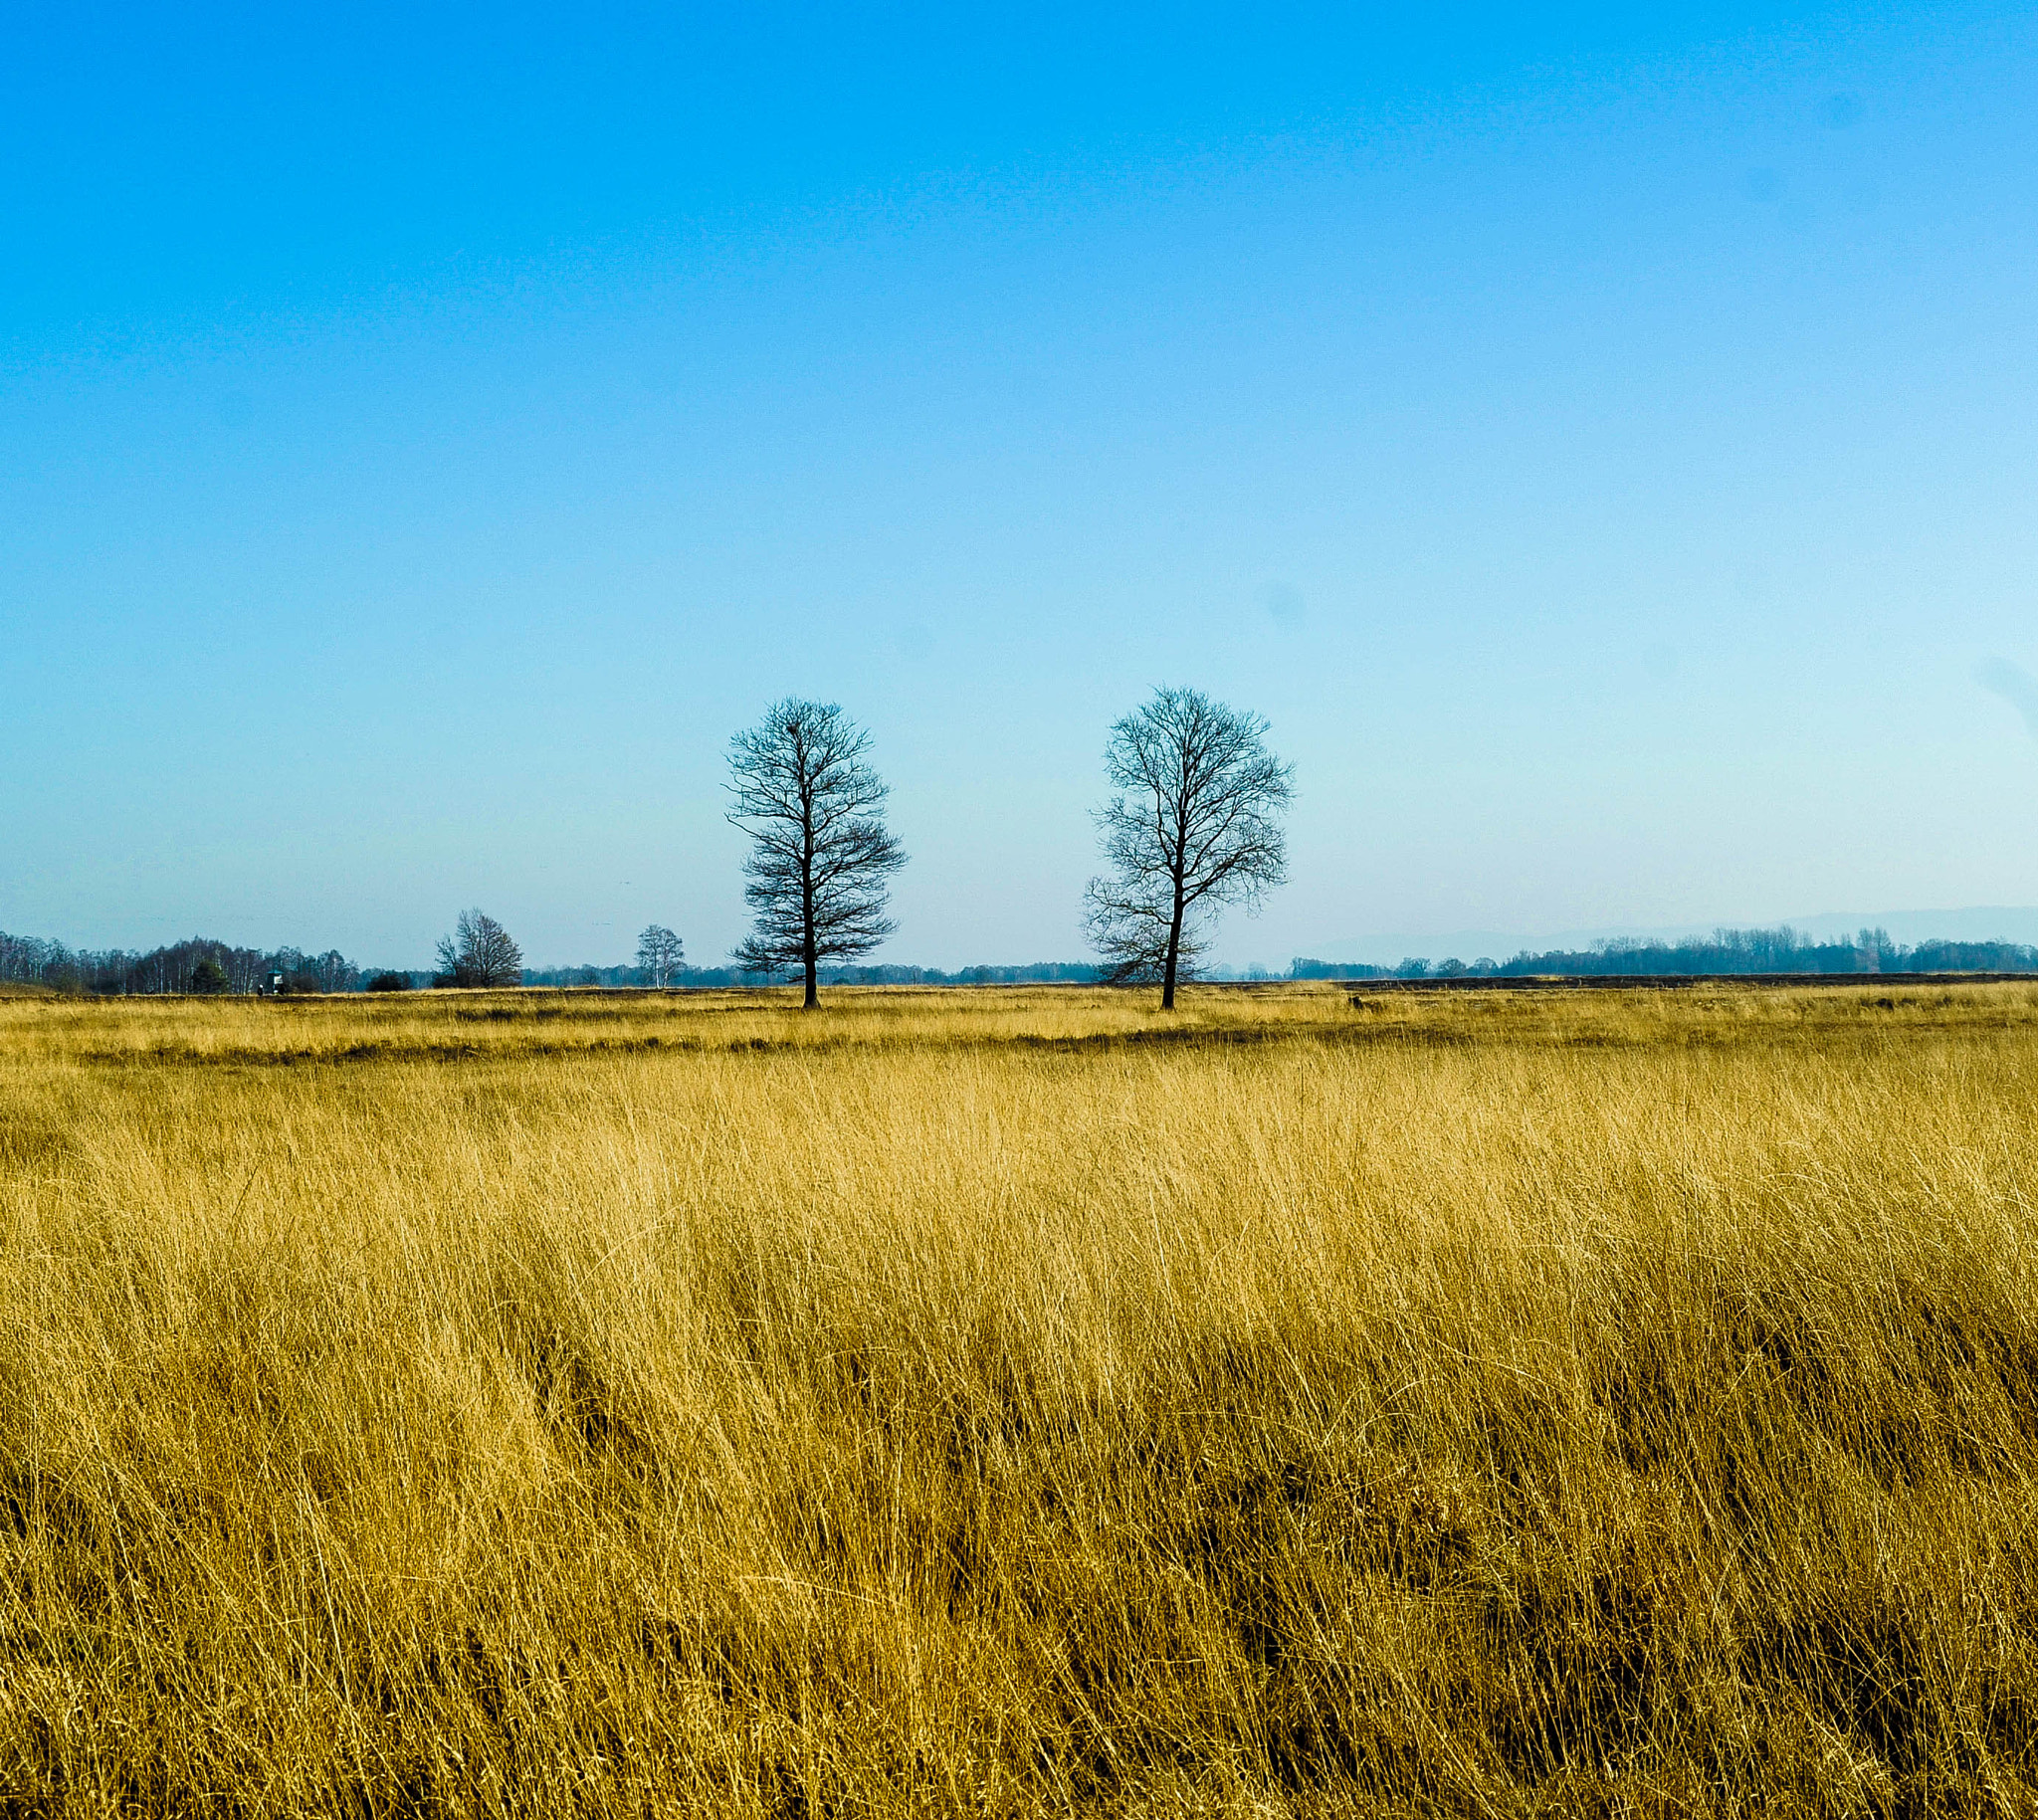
x=821 y=854
x=478 y=952
x=1195 y=826
x=661 y=954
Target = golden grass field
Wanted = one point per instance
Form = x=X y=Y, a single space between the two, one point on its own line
x=1013 y=1402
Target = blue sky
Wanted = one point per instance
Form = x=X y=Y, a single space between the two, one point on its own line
x=1603 y=441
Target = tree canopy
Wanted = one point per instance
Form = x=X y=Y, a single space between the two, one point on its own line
x=478 y=952
x=1195 y=825
x=821 y=857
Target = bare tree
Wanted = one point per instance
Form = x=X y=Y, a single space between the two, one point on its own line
x=478 y=952
x=822 y=854
x=1194 y=826
x=661 y=954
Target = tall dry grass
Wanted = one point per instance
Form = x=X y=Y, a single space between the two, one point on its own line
x=1006 y=1403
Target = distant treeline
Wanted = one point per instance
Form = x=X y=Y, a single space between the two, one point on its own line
x=196 y=965
x=203 y=965
x=1038 y=972
x=1777 y=951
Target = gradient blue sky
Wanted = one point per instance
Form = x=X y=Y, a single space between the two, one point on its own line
x=1601 y=440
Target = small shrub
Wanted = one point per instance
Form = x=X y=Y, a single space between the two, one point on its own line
x=390 y=982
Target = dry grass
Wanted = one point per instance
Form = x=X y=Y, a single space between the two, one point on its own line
x=1006 y=1402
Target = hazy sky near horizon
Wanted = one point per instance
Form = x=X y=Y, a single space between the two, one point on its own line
x=1601 y=440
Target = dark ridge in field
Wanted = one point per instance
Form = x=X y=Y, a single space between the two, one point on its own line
x=1878 y=1022
x=1356 y=1036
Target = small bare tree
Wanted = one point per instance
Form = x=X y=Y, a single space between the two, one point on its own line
x=661 y=954
x=478 y=952
x=1194 y=826
x=822 y=854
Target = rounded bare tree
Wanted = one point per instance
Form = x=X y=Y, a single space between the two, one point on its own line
x=478 y=952
x=661 y=954
x=1195 y=826
x=821 y=855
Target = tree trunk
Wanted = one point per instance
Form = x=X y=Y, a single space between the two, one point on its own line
x=811 y=955
x=1175 y=952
